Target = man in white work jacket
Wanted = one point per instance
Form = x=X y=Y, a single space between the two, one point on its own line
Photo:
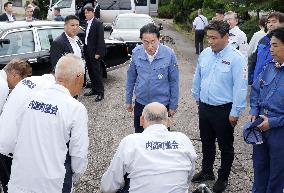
x=50 y=119
x=155 y=160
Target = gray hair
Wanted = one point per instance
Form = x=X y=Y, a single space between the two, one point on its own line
x=154 y=115
x=69 y=66
x=232 y=13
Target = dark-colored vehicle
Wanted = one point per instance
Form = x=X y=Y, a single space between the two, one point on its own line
x=31 y=41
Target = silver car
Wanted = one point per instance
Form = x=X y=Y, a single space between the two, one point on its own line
x=126 y=27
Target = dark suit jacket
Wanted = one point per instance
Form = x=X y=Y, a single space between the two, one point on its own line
x=59 y=47
x=4 y=17
x=96 y=41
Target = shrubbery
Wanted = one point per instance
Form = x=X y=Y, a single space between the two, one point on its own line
x=250 y=27
x=165 y=11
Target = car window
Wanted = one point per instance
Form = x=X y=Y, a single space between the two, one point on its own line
x=130 y=23
x=115 y=5
x=46 y=36
x=64 y=4
x=20 y=42
x=140 y=2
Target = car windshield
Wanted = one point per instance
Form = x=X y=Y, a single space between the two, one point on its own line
x=132 y=23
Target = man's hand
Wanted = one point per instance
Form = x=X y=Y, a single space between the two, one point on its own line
x=129 y=107
x=172 y=112
x=97 y=56
x=233 y=120
x=264 y=126
x=252 y=118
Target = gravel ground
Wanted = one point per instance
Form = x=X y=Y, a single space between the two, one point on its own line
x=109 y=122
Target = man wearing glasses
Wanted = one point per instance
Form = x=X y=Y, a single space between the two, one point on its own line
x=153 y=75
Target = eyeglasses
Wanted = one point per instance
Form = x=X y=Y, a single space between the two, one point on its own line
x=146 y=43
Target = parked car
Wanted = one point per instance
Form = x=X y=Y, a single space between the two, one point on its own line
x=31 y=41
x=126 y=27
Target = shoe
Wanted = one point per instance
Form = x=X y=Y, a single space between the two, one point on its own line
x=220 y=186
x=90 y=93
x=99 y=97
x=201 y=177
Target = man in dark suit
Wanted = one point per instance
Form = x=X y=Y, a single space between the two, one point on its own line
x=8 y=16
x=94 y=50
x=67 y=42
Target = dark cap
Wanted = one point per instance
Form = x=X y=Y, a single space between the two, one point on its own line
x=252 y=134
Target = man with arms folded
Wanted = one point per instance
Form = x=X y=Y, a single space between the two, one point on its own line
x=155 y=160
x=50 y=124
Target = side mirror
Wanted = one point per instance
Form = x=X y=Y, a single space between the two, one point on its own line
x=160 y=26
x=4 y=41
x=108 y=27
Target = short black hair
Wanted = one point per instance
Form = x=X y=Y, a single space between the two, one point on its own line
x=150 y=28
x=221 y=27
x=70 y=17
x=7 y=3
x=35 y=3
x=88 y=8
x=278 y=33
x=277 y=15
x=57 y=9
x=220 y=11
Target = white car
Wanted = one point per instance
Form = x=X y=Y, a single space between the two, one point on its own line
x=126 y=27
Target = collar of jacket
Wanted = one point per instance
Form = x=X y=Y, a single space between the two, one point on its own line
x=161 y=53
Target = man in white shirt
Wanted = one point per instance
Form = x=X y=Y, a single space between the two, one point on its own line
x=50 y=124
x=11 y=74
x=237 y=38
x=155 y=160
x=8 y=16
x=199 y=23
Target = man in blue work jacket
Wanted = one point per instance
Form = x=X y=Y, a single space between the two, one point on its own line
x=219 y=88
x=153 y=74
x=262 y=54
x=267 y=101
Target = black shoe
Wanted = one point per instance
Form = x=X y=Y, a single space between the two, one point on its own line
x=201 y=177
x=220 y=186
x=90 y=93
x=99 y=97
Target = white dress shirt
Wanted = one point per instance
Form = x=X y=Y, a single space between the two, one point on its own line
x=254 y=41
x=4 y=89
x=200 y=22
x=157 y=161
x=49 y=120
x=89 y=22
x=238 y=39
x=15 y=101
x=10 y=17
x=75 y=46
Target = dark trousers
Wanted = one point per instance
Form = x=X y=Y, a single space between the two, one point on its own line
x=67 y=185
x=199 y=36
x=95 y=73
x=214 y=124
x=138 y=109
x=5 y=171
x=268 y=162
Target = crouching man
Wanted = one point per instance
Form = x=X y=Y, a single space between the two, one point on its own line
x=155 y=160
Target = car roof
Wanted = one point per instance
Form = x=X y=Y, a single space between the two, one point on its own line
x=133 y=15
x=25 y=24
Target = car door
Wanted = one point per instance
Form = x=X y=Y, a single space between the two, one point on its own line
x=21 y=44
x=45 y=36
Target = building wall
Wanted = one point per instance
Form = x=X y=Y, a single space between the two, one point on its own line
x=17 y=10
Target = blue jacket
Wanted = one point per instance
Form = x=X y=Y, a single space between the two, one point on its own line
x=153 y=82
x=263 y=56
x=267 y=95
